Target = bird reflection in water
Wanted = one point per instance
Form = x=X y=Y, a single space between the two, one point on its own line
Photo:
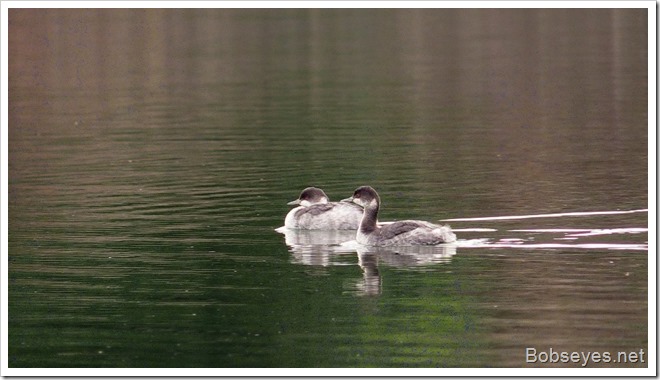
x=317 y=247
x=328 y=248
x=369 y=259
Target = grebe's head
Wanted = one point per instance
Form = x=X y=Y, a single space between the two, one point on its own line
x=310 y=196
x=364 y=196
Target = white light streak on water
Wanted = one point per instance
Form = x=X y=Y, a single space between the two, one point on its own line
x=555 y=215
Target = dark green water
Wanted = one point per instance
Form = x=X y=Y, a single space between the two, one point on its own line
x=152 y=154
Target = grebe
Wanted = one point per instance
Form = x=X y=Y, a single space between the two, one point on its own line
x=405 y=232
x=315 y=212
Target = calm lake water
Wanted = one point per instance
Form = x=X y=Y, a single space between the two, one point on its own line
x=152 y=154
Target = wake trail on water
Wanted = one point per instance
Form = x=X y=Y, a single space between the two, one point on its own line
x=552 y=238
x=555 y=215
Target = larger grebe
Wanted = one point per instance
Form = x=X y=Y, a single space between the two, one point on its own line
x=405 y=232
x=315 y=212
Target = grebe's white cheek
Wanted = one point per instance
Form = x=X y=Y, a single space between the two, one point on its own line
x=373 y=203
x=305 y=203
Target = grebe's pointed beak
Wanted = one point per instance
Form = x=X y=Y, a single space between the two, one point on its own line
x=294 y=203
x=349 y=199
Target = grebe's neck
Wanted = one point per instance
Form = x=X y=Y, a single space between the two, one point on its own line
x=369 y=217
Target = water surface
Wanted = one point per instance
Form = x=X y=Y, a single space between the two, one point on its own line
x=152 y=154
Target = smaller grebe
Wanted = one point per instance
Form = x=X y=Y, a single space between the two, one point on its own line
x=315 y=212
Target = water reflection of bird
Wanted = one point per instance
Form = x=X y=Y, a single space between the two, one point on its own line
x=316 y=212
x=398 y=257
x=405 y=232
x=371 y=283
x=411 y=256
x=317 y=247
x=335 y=247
